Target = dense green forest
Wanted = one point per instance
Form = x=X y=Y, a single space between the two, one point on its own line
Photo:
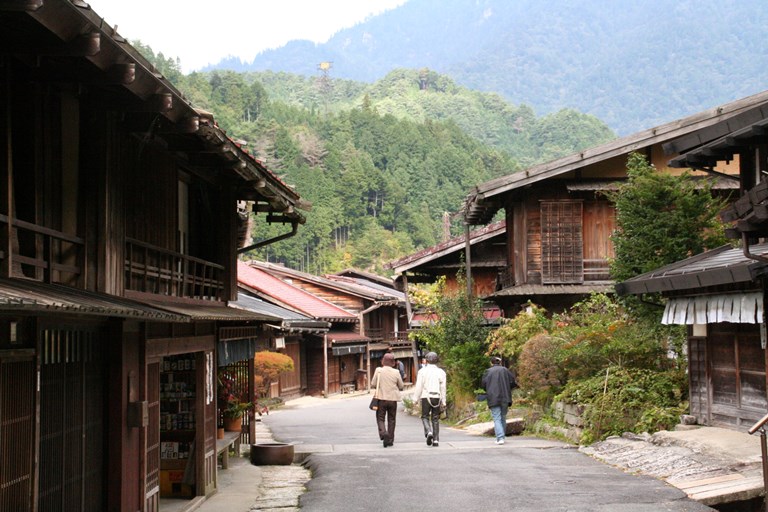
x=380 y=162
x=634 y=65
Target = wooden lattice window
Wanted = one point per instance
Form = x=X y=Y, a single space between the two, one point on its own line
x=72 y=465
x=562 y=251
x=17 y=429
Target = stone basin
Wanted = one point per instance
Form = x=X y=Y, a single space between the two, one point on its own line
x=272 y=454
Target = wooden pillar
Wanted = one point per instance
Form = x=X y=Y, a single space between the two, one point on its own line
x=325 y=365
x=467 y=258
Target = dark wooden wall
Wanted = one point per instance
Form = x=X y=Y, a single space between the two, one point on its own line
x=728 y=377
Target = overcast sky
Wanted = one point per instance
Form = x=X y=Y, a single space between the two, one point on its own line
x=203 y=32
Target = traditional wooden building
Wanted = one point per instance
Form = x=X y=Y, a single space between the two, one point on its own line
x=380 y=308
x=449 y=258
x=720 y=294
x=333 y=360
x=559 y=221
x=286 y=333
x=118 y=243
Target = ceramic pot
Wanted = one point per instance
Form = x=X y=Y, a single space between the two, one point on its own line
x=272 y=454
x=233 y=424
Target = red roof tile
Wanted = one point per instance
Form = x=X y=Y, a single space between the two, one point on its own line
x=289 y=295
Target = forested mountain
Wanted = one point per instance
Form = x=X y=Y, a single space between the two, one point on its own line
x=632 y=64
x=380 y=162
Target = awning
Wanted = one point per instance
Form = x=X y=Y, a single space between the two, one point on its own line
x=342 y=350
x=740 y=308
x=346 y=337
x=212 y=312
x=27 y=296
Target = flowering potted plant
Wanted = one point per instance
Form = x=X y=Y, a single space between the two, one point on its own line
x=231 y=402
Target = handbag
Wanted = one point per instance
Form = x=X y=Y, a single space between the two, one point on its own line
x=374 y=405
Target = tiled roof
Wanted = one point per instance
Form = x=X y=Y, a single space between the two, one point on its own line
x=722 y=266
x=289 y=296
x=483 y=200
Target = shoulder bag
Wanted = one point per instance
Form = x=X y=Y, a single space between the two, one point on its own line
x=374 y=405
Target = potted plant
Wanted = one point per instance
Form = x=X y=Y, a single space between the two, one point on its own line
x=231 y=402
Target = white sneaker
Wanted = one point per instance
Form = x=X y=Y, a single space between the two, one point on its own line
x=499 y=441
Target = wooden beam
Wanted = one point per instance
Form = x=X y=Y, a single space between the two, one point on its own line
x=20 y=5
x=122 y=74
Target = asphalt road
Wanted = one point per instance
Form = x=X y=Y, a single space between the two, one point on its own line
x=352 y=470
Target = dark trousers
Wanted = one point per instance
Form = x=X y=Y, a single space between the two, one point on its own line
x=386 y=417
x=430 y=418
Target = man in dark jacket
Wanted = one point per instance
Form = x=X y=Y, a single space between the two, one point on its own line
x=499 y=382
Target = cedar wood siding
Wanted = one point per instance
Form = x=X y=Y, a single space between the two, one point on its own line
x=344 y=301
x=598 y=222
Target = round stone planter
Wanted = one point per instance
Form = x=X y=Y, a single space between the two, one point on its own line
x=272 y=454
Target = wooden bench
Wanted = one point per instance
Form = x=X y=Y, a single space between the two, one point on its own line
x=347 y=388
x=231 y=439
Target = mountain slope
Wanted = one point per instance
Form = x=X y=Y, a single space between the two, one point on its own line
x=631 y=64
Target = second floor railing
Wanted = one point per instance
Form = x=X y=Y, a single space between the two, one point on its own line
x=37 y=252
x=150 y=269
x=391 y=337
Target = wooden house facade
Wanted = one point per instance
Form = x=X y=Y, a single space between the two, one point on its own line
x=559 y=220
x=719 y=295
x=118 y=243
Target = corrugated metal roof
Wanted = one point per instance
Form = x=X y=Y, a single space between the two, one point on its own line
x=290 y=296
x=34 y=297
x=286 y=318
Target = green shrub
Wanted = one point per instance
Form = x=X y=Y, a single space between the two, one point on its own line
x=509 y=339
x=627 y=400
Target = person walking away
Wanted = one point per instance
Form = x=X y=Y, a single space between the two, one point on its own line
x=499 y=382
x=430 y=390
x=388 y=382
x=400 y=365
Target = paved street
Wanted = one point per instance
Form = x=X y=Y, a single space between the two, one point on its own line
x=352 y=471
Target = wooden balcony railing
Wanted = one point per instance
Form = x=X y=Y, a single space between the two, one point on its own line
x=391 y=337
x=40 y=253
x=150 y=269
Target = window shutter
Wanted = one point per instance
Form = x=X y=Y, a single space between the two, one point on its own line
x=562 y=252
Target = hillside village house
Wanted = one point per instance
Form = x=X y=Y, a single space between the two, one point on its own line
x=487 y=257
x=288 y=333
x=448 y=259
x=330 y=359
x=380 y=310
x=559 y=222
x=118 y=249
x=720 y=294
